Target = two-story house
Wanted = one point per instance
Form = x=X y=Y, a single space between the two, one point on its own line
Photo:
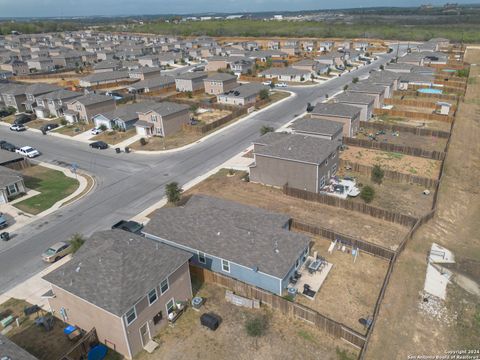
x=219 y=83
x=347 y=115
x=162 y=119
x=85 y=107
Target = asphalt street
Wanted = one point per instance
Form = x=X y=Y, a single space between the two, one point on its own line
x=126 y=184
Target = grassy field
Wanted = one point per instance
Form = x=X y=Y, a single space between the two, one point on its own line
x=53 y=186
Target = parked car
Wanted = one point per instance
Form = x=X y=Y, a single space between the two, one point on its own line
x=7 y=146
x=28 y=151
x=99 y=145
x=281 y=84
x=4 y=112
x=268 y=83
x=22 y=118
x=56 y=252
x=18 y=127
x=3 y=221
x=48 y=127
x=96 y=131
x=130 y=226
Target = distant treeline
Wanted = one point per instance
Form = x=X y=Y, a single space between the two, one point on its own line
x=36 y=27
x=259 y=28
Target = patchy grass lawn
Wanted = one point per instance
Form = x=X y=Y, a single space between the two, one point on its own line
x=38 y=123
x=73 y=129
x=8 y=119
x=426 y=124
x=53 y=186
x=114 y=137
x=43 y=345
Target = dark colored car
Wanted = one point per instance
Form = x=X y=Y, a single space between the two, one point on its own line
x=130 y=226
x=48 y=127
x=7 y=146
x=99 y=145
x=4 y=112
x=22 y=119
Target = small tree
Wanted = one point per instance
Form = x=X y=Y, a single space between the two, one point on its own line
x=189 y=94
x=345 y=87
x=264 y=94
x=63 y=122
x=382 y=67
x=11 y=110
x=76 y=242
x=103 y=127
x=256 y=327
x=143 y=142
x=377 y=174
x=266 y=129
x=367 y=194
x=355 y=80
x=173 y=192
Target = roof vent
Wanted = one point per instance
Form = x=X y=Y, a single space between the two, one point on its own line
x=289 y=148
x=218 y=233
x=78 y=268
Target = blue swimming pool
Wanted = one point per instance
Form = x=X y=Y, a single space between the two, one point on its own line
x=429 y=91
x=449 y=70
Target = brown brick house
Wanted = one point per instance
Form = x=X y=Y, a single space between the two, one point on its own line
x=122 y=284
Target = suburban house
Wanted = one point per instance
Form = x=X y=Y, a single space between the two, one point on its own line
x=144 y=73
x=16 y=67
x=11 y=351
x=246 y=243
x=301 y=161
x=35 y=90
x=219 y=83
x=242 y=95
x=324 y=129
x=5 y=74
x=162 y=119
x=415 y=79
x=311 y=66
x=242 y=65
x=107 y=77
x=215 y=63
x=11 y=184
x=190 y=81
x=388 y=79
x=348 y=115
x=14 y=95
x=41 y=64
x=152 y=84
x=123 y=285
x=54 y=103
x=85 y=107
x=365 y=87
x=123 y=117
x=364 y=101
x=286 y=74
x=107 y=65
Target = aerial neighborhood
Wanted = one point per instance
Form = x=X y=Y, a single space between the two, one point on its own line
x=169 y=194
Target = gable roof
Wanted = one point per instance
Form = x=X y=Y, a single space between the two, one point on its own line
x=317 y=126
x=242 y=234
x=91 y=99
x=220 y=77
x=114 y=269
x=8 y=176
x=354 y=98
x=336 y=109
x=245 y=90
x=165 y=108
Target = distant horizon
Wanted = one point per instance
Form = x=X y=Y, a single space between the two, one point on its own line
x=110 y=8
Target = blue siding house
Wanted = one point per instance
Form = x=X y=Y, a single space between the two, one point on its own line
x=246 y=243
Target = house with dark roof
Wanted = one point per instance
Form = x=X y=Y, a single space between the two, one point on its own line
x=246 y=243
x=85 y=107
x=162 y=119
x=34 y=90
x=123 y=117
x=54 y=103
x=11 y=184
x=347 y=115
x=123 y=285
x=324 y=129
x=366 y=87
x=190 y=81
x=302 y=161
x=14 y=95
x=11 y=351
x=363 y=101
x=242 y=95
x=219 y=83
x=152 y=84
x=107 y=77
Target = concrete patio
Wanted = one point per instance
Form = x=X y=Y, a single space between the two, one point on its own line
x=313 y=279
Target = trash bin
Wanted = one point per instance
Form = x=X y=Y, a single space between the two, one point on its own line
x=127 y=149
x=210 y=320
x=117 y=150
x=5 y=236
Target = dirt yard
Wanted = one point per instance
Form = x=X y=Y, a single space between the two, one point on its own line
x=350 y=290
x=402 y=328
x=284 y=338
x=347 y=222
x=403 y=138
x=405 y=198
x=393 y=161
x=114 y=137
x=427 y=124
x=34 y=339
x=38 y=123
x=177 y=140
x=73 y=129
x=210 y=115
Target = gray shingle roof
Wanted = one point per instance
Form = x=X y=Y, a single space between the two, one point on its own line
x=297 y=147
x=355 y=98
x=317 y=126
x=220 y=77
x=115 y=268
x=165 y=108
x=192 y=75
x=105 y=76
x=336 y=109
x=7 y=157
x=157 y=81
x=8 y=176
x=245 y=90
x=41 y=88
x=90 y=99
x=127 y=112
x=238 y=233
x=366 y=87
x=12 y=351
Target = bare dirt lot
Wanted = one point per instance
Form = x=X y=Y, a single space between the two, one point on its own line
x=73 y=129
x=405 y=198
x=284 y=338
x=114 y=137
x=426 y=124
x=403 y=138
x=211 y=115
x=347 y=222
x=156 y=143
x=350 y=289
x=405 y=164
x=402 y=328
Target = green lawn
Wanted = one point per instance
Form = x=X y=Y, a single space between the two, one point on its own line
x=53 y=186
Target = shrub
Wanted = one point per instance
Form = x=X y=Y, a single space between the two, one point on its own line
x=264 y=94
x=143 y=141
x=463 y=73
x=367 y=194
x=256 y=326
x=355 y=80
x=11 y=110
x=189 y=94
x=63 y=122
x=377 y=174
x=103 y=127
x=382 y=67
x=76 y=241
x=345 y=87
x=173 y=192
x=266 y=129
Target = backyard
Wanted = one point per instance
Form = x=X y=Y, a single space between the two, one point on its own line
x=53 y=186
x=393 y=161
x=351 y=223
x=283 y=339
x=207 y=116
x=420 y=123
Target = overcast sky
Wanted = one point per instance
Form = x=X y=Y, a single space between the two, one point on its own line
x=29 y=8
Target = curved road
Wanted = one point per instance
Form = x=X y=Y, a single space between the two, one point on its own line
x=129 y=183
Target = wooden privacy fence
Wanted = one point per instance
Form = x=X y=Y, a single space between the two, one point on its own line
x=416 y=103
x=446 y=89
x=419 y=131
x=438 y=97
x=286 y=307
x=413 y=115
x=407 y=150
x=80 y=350
x=363 y=245
x=389 y=174
x=390 y=216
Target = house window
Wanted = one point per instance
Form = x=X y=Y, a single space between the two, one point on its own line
x=153 y=118
x=131 y=315
x=334 y=169
x=322 y=182
x=152 y=296
x=170 y=306
x=164 y=286
x=226 y=265
x=12 y=189
x=201 y=258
